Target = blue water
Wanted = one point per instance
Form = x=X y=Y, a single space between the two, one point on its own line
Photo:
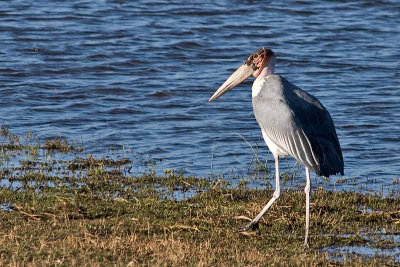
x=139 y=74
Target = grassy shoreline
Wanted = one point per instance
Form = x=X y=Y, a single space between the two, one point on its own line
x=90 y=211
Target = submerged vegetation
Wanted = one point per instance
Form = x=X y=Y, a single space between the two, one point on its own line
x=88 y=210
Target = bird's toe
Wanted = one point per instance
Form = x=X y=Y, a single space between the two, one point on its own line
x=250 y=226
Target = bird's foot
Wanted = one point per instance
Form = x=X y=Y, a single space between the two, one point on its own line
x=305 y=245
x=250 y=226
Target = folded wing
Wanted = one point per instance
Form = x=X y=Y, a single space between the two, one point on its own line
x=299 y=125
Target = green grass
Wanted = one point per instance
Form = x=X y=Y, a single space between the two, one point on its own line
x=91 y=211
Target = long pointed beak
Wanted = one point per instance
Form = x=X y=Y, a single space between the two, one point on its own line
x=241 y=74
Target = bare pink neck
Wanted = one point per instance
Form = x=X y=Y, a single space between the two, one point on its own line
x=269 y=69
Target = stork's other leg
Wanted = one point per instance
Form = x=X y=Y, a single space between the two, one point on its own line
x=307 y=191
x=254 y=223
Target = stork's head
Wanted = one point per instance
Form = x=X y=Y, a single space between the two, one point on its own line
x=259 y=64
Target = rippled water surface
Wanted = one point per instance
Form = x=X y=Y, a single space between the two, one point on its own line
x=139 y=75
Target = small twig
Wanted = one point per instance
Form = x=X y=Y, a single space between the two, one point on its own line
x=32 y=216
x=186 y=183
x=241 y=217
x=217 y=183
x=179 y=226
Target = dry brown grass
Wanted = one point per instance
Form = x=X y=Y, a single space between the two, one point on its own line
x=200 y=231
x=91 y=212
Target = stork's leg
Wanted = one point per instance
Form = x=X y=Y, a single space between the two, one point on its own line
x=254 y=223
x=307 y=191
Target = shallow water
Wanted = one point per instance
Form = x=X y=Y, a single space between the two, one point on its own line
x=138 y=75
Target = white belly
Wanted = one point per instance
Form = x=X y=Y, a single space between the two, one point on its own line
x=272 y=146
